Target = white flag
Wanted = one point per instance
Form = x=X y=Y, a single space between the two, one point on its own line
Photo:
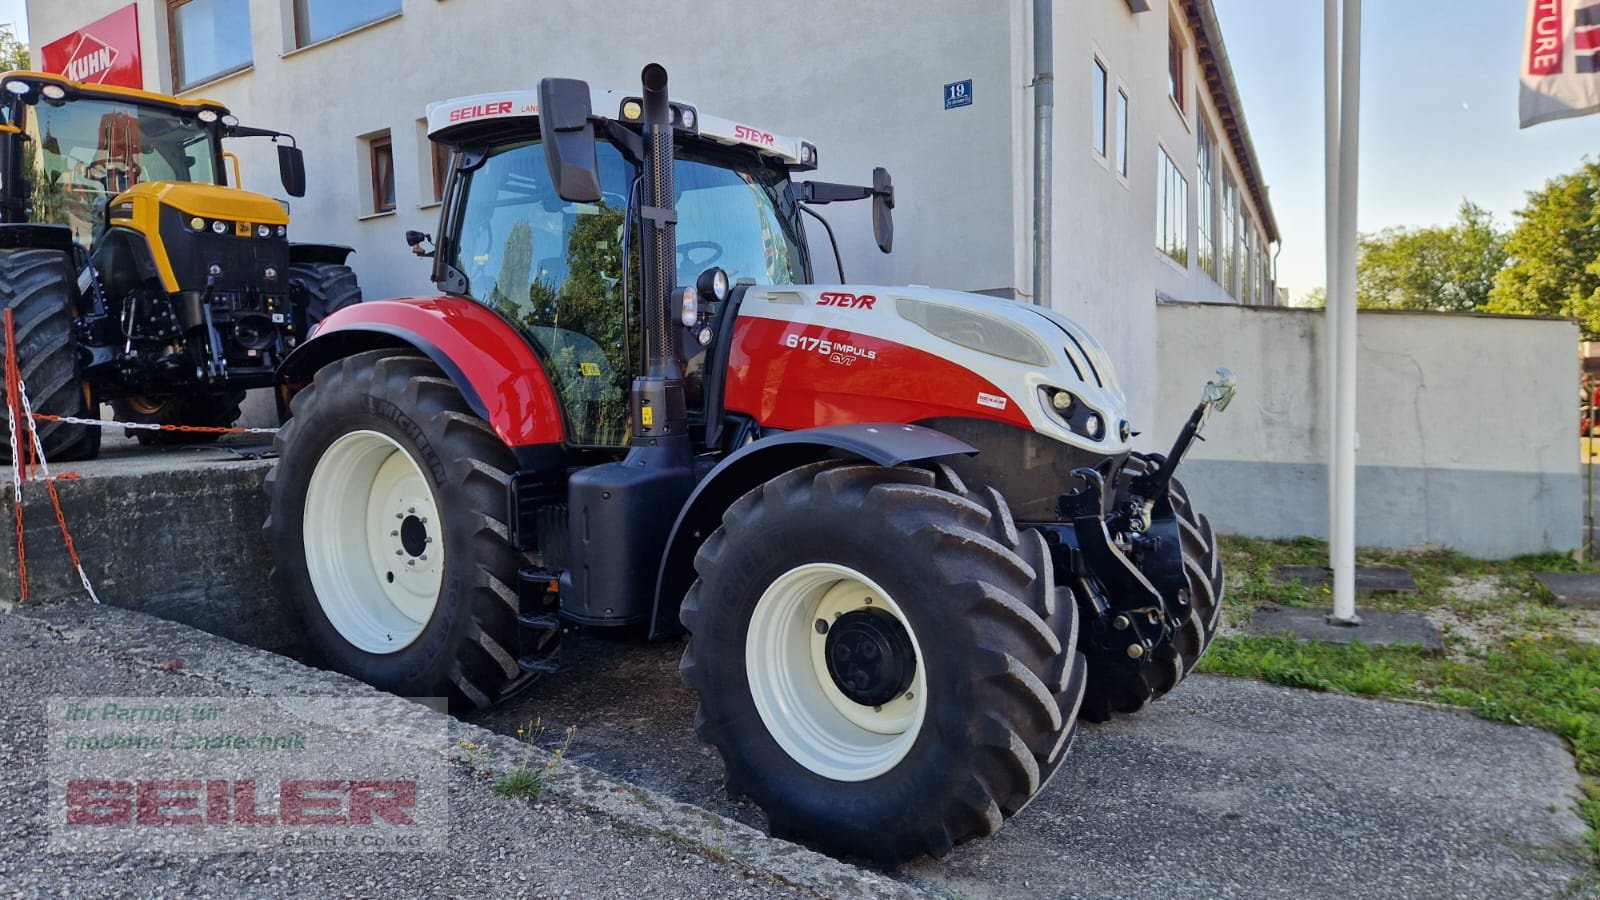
x=1560 y=60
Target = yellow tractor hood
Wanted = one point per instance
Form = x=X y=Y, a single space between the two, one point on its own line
x=210 y=201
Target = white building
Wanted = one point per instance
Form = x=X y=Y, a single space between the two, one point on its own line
x=1157 y=192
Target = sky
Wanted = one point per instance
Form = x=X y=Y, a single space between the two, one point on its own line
x=1438 y=116
x=15 y=12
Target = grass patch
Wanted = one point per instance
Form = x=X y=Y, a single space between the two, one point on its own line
x=1511 y=657
x=518 y=783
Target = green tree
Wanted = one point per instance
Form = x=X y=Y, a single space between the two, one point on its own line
x=13 y=53
x=1449 y=269
x=1555 y=252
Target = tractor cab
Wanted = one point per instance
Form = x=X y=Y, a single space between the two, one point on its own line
x=555 y=268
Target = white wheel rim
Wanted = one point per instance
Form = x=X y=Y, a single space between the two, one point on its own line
x=803 y=709
x=374 y=548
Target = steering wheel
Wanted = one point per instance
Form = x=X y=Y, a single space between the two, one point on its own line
x=710 y=252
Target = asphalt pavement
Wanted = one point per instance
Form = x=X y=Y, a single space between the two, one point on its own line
x=1227 y=788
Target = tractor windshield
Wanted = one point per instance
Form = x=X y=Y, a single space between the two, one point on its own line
x=554 y=267
x=82 y=150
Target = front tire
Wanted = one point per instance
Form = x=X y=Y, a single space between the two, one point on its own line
x=199 y=410
x=325 y=287
x=33 y=285
x=388 y=531
x=882 y=660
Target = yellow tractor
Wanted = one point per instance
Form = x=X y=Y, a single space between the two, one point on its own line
x=136 y=273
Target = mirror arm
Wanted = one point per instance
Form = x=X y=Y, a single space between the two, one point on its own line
x=630 y=142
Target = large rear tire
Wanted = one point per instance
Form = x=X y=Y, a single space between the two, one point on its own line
x=1122 y=688
x=33 y=285
x=388 y=531
x=200 y=410
x=882 y=660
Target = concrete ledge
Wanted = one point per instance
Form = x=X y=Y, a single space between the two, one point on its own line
x=175 y=533
x=103 y=634
x=1377 y=629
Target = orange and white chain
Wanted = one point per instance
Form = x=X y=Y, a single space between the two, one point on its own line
x=50 y=485
x=150 y=426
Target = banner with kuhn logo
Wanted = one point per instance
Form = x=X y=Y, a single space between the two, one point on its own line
x=1560 y=60
x=102 y=52
x=231 y=774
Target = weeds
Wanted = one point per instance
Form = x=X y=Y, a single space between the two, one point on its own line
x=528 y=780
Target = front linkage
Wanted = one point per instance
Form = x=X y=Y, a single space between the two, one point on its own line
x=1125 y=560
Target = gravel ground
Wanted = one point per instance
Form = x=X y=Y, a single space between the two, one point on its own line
x=587 y=836
x=1226 y=788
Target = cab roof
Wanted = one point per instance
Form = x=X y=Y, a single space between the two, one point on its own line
x=450 y=121
x=114 y=92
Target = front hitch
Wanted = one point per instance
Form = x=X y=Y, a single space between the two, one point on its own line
x=1216 y=395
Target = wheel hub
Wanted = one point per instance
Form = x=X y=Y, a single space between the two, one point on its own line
x=869 y=656
x=413 y=536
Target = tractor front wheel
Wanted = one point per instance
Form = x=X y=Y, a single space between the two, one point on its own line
x=325 y=287
x=388 y=531
x=34 y=286
x=881 y=658
x=199 y=410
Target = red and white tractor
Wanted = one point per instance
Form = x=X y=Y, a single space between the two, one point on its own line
x=903 y=527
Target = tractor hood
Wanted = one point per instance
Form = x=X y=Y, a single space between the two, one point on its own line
x=949 y=353
x=209 y=201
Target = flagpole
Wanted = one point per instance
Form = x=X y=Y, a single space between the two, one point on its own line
x=1330 y=216
x=1344 y=433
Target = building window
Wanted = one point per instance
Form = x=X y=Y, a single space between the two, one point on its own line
x=1248 y=245
x=380 y=153
x=1175 y=50
x=1230 y=212
x=1172 y=210
x=318 y=20
x=1122 y=133
x=209 y=38
x=1205 y=185
x=1097 y=138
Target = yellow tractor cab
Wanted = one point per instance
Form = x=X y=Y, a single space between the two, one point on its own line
x=153 y=283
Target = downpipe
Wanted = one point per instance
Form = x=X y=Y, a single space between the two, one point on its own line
x=1122 y=552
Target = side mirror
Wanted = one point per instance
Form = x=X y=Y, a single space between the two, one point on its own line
x=882 y=206
x=292 y=169
x=569 y=139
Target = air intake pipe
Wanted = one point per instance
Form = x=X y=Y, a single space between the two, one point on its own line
x=659 y=409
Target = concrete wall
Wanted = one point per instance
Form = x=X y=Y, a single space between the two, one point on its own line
x=1466 y=426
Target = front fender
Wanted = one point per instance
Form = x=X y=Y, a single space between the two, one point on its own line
x=753 y=464
x=483 y=354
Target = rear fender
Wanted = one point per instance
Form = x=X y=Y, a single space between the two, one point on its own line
x=756 y=463
x=487 y=359
x=319 y=253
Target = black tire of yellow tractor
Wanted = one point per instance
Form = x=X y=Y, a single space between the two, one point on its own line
x=1121 y=688
x=197 y=410
x=327 y=288
x=465 y=651
x=34 y=286
x=1003 y=676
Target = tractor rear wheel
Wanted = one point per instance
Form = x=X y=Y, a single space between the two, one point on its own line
x=1120 y=687
x=33 y=285
x=200 y=410
x=388 y=531
x=327 y=288
x=882 y=660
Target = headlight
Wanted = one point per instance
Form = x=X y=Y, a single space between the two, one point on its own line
x=264 y=231
x=220 y=227
x=976 y=331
